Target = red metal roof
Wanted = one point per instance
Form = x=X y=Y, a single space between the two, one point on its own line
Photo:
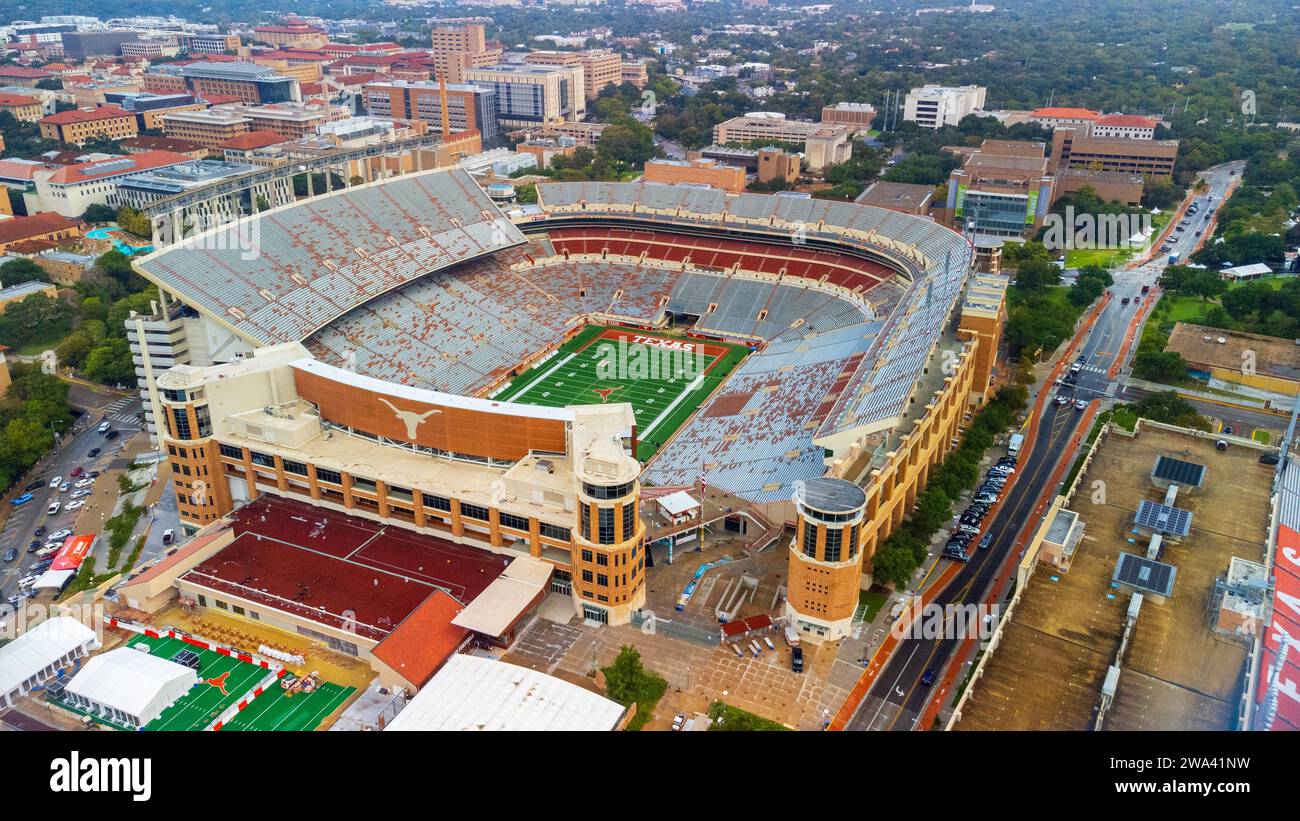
x=1127 y=120
x=419 y=646
x=115 y=166
x=1058 y=113
x=253 y=139
x=46 y=222
x=17 y=100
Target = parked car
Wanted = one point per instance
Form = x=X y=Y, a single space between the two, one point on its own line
x=65 y=487
x=53 y=508
x=84 y=483
x=56 y=481
x=1268 y=459
x=21 y=500
x=74 y=504
x=34 y=546
x=796 y=659
x=93 y=453
x=61 y=534
x=112 y=434
x=986 y=541
x=11 y=554
x=75 y=472
x=37 y=485
x=40 y=531
x=81 y=494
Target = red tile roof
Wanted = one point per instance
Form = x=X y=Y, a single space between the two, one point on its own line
x=1127 y=121
x=1066 y=113
x=24 y=73
x=46 y=222
x=127 y=164
x=423 y=641
x=104 y=112
x=253 y=139
x=14 y=170
x=17 y=100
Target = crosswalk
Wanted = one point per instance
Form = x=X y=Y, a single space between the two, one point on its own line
x=123 y=410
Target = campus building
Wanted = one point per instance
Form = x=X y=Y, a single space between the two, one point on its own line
x=601 y=67
x=469 y=107
x=935 y=106
x=71 y=189
x=78 y=126
x=531 y=95
x=823 y=144
x=700 y=172
x=458 y=48
x=1002 y=189
x=1079 y=147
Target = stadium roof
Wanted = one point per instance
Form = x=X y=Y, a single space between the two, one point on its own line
x=1159 y=518
x=279 y=275
x=1145 y=574
x=833 y=495
x=474 y=693
x=1181 y=472
x=38 y=648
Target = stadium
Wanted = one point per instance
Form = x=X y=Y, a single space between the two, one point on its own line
x=405 y=352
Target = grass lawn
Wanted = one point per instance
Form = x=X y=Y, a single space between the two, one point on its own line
x=725 y=717
x=664 y=378
x=872 y=601
x=40 y=346
x=1261 y=436
x=1105 y=257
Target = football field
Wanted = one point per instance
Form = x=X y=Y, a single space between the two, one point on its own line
x=664 y=378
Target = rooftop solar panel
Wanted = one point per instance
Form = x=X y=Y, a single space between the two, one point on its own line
x=1159 y=518
x=1177 y=470
x=1145 y=574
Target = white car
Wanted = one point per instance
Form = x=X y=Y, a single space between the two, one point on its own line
x=73 y=505
x=61 y=534
x=80 y=494
x=53 y=508
x=84 y=483
x=56 y=481
x=65 y=487
x=27 y=581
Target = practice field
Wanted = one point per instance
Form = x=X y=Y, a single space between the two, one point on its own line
x=222 y=681
x=664 y=378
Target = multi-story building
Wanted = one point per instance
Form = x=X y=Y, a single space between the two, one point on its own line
x=531 y=95
x=1003 y=189
x=48 y=226
x=469 y=107
x=857 y=115
x=458 y=48
x=634 y=72
x=823 y=145
x=81 y=45
x=151 y=49
x=143 y=190
x=983 y=316
x=700 y=172
x=1078 y=148
x=1124 y=126
x=208 y=43
x=22 y=76
x=145 y=142
x=150 y=108
x=291 y=34
x=1056 y=116
x=209 y=128
x=773 y=163
x=601 y=68
x=935 y=106
x=23 y=108
x=553 y=484
x=71 y=189
x=77 y=126
x=291 y=120
x=248 y=82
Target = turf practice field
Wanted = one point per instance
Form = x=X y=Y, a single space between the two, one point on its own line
x=222 y=681
x=664 y=378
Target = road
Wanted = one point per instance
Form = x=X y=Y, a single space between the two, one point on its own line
x=19 y=529
x=898 y=698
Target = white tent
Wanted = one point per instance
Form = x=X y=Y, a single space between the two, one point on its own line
x=474 y=693
x=130 y=686
x=34 y=656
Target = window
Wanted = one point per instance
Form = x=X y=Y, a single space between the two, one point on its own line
x=586 y=522
x=853 y=542
x=629 y=520
x=231 y=451
x=586 y=576
x=834 y=540
x=436 y=502
x=602 y=560
x=204 y=418
x=263 y=459
x=297 y=468
x=181 y=424
x=331 y=476
x=586 y=556
x=607 y=491
x=474 y=512
x=173 y=395
x=810 y=540
x=602 y=580
x=515 y=522
x=551 y=531
x=606 y=525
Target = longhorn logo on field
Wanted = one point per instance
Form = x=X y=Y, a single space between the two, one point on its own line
x=219 y=682
x=604 y=393
x=411 y=419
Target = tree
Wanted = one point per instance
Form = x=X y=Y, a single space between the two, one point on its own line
x=111 y=363
x=99 y=213
x=1170 y=408
x=1159 y=366
x=37 y=317
x=20 y=270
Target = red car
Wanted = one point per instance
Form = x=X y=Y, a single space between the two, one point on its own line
x=75 y=471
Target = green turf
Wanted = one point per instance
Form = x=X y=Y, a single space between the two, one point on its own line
x=661 y=405
x=203 y=703
x=276 y=710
